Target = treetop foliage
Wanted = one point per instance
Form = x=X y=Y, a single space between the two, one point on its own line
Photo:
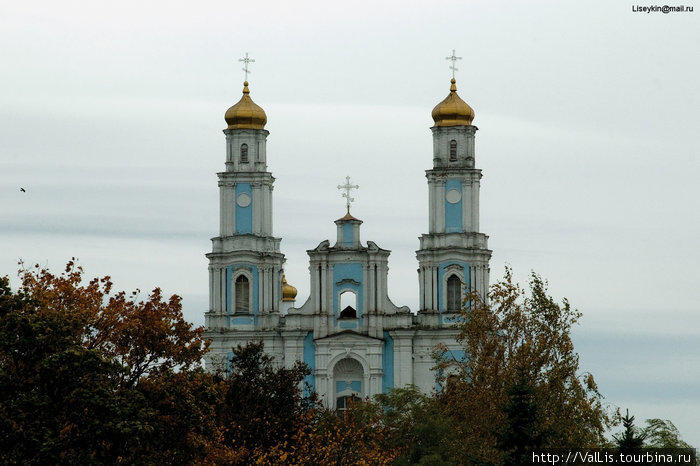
x=90 y=376
x=142 y=336
x=520 y=383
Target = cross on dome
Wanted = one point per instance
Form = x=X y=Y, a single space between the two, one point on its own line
x=246 y=60
x=454 y=59
x=348 y=187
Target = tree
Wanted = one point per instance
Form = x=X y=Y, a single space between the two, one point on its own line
x=659 y=433
x=520 y=435
x=264 y=405
x=358 y=435
x=630 y=440
x=268 y=419
x=519 y=356
x=87 y=376
x=417 y=426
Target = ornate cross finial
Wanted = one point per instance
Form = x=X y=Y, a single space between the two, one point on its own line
x=454 y=59
x=347 y=187
x=246 y=60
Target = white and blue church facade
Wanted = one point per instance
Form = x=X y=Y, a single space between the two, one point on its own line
x=356 y=341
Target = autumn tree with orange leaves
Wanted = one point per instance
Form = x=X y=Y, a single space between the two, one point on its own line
x=520 y=387
x=357 y=436
x=87 y=376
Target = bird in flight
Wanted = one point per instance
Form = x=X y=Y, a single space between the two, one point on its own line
x=23 y=190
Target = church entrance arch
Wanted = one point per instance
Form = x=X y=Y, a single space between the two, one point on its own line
x=348 y=382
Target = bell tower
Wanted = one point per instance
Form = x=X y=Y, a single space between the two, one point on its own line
x=245 y=265
x=453 y=257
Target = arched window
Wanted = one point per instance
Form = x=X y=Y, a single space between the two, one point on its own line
x=242 y=295
x=453 y=151
x=348 y=380
x=244 y=153
x=454 y=293
x=348 y=305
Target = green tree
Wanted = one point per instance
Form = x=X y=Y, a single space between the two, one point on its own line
x=520 y=435
x=659 y=433
x=630 y=440
x=417 y=425
x=264 y=405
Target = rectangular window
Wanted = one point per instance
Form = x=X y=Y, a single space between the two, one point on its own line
x=242 y=295
x=454 y=293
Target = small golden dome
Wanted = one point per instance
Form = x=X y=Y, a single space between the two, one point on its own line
x=246 y=114
x=289 y=293
x=453 y=111
x=348 y=216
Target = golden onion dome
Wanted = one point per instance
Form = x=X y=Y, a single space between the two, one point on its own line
x=289 y=293
x=246 y=114
x=453 y=111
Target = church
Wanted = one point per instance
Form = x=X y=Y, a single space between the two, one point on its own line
x=356 y=341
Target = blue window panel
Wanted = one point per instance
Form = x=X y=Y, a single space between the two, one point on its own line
x=229 y=357
x=451 y=319
x=454 y=355
x=347 y=324
x=453 y=212
x=310 y=360
x=244 y=215
x=388 y=363
x=348 y=236
x=355 y=386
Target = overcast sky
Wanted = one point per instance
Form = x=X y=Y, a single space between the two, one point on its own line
x=111 y=116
